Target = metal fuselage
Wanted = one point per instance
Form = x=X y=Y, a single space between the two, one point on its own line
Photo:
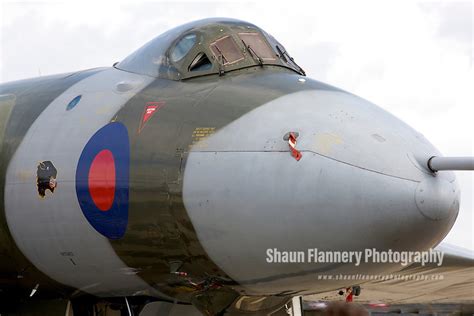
x=211 y=184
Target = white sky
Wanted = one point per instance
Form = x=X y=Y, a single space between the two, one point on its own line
x=412 y=58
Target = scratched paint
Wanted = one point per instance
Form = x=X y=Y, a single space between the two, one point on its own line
x=46 y=174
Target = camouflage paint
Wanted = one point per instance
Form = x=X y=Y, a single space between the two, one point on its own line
x=31 y=97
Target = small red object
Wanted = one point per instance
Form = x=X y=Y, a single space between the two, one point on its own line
x=150 y=109
x=179 y=273
x=292 y=143
x=350 y=295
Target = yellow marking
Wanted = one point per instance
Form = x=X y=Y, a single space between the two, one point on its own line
x=325 y=142
x=200 y=134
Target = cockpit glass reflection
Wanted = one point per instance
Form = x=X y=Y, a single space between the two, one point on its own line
x=183 y=47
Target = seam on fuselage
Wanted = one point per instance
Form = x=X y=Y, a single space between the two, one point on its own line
x=307 y=151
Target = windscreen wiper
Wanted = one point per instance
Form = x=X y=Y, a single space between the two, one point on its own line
x=221 y=62
x=281 y=54
x=253 y=53
x=284 y=55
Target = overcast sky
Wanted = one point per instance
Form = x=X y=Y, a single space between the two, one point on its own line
x=414 y=59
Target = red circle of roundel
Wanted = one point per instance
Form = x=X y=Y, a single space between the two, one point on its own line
x=102 y=180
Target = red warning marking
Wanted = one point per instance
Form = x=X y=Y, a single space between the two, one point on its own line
x=102 y=180
x=150 y=109
x=292 y=143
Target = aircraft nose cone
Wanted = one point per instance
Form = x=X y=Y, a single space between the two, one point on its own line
x=359 y=184
x=437 y=199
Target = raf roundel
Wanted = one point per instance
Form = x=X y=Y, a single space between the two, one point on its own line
x=102 y=180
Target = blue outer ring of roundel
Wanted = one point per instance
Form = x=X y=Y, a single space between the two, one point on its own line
x=113 y=222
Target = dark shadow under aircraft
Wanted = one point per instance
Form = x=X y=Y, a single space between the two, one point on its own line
x=199 y=174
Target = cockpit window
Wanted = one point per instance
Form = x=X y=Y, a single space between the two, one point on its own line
x=226 y=50
x=200 y=63
x=257 y=45
x=183 y=47
x=210 y=46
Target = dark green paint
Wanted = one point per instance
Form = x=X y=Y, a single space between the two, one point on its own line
x=159 y=229
x=26 y=99
x=160 y=235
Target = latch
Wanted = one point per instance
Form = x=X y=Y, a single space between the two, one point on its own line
x=291 y=138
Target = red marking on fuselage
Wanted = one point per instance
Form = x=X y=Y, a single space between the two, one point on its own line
x=102 y=180
x=292 y=143
x=150 y=109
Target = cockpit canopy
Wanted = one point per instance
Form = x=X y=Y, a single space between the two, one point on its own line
x=204 y=47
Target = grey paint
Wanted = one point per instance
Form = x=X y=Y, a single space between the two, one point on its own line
x=451 y=163
x=346 y=179
x=437 y=199
x=363 y=175
x=44 y=229
x=337 y=125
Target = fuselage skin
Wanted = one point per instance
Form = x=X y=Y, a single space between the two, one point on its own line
x=212 y=184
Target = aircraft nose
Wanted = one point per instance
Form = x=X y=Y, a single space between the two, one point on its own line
x=357 y=185
x=437 y=198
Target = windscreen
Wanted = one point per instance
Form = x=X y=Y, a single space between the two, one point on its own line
x=227 y=50
x=257 y=45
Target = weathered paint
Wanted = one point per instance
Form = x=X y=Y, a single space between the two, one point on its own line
x=187 y=164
